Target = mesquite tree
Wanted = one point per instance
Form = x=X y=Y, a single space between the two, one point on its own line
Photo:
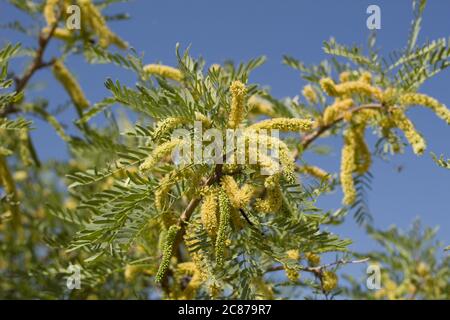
x=137 y=222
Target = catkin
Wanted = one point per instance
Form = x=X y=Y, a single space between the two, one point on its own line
x=164 y=71
x=345 y=76
x=313 y=259
x=162 y=192
x=167 y=252
x=329 y=281
x=414 y=138
x=421 y=99
x=60 y=33
x=260 y=106
x=283 y=124
x=315 y=172
x=239 y=197
x=363 y=156
x=224 y=225
x=159 y=153
x=208 y=213
x=286 y=159
x=334 y=111
x=273 y=199
x=292 y=274
x=49 y=11
x=349 y=88
x=238 y=93
x=293 y=254
x=309 y=94
x=98 y=25
x=70 y=84
x=189 y=269
x=166 y=126
x=348 y=166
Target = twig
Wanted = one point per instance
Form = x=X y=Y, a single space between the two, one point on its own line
x=37 y=64
x=308 y=139
x=318 y=270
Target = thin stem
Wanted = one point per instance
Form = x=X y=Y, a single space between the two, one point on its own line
x=37 y=64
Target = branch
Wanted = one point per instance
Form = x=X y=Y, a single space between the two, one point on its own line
x=319 y=269
x=186 y=215
x=308 y=139
x=37 y=64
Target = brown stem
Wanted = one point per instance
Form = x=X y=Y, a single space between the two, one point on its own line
x=318 y=270
x=37 y=64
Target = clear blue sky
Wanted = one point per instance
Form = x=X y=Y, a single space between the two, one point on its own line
x=240 y=30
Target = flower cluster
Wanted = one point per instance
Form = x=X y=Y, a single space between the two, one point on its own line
x=163 y=71
x=360 y=103
x=70 y=84
x=167 y=251
x=237 y=112
x=94 y=21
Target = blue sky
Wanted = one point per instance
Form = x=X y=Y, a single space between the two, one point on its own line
x=240 y=30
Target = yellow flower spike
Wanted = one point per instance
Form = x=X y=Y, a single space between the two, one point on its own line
x=232 y=190
x=329 y=281
x=313 y=259
x=167 y=252
x=19 y=176
x=273 y=200
x=358 y=87
x=70 y=84
x=292 y=274
x=208 y=213
x=310 y=94
x=131 y=271
x=315 y=172
x=414 y=138
x=329 y=87
x=237 y=112
x=423 y=100
x=363 y=156
x=366 y=77
x=364 y=116
x=159 y=153
x=348 y=166
x=293 y=254
x=166 y=126
x=224 y=225
x=162 y=192
x=98 y=25
x=117 y=41
x=190 y=269
x=259 y=105
x=335 y=110
x=247 y=192
x=164 y=71
x=239 y=197
x=204 y=119
x=422 y=269
x=59 y=33
x=284 y=124
x=285 y=157
x=49 y=11
x=6 y=180
x=345 y=76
